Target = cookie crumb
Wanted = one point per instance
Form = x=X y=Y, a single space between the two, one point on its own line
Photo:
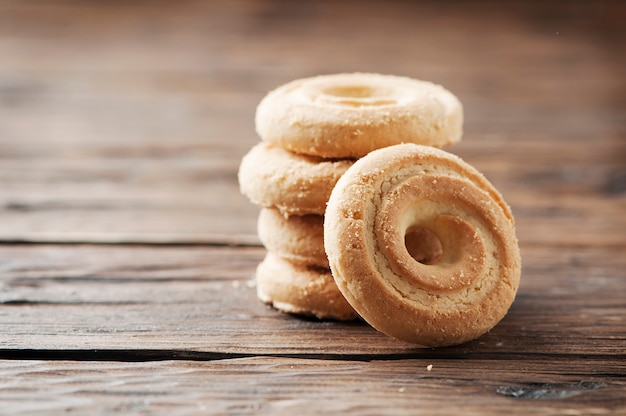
x=429 y=367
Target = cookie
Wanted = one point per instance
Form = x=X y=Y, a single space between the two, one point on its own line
x=422 y=246
x=299 y=289
x=349 y=115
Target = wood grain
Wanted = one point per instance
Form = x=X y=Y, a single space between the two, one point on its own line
x=202 y=299
x=112 y=201
x=268 y=385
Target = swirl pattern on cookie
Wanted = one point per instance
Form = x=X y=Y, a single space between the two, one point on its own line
x=422 y=245
x=349 y=115
x=299 y=289
x=295 y=184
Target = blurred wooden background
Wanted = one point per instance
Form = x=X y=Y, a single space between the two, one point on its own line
x=123 y=236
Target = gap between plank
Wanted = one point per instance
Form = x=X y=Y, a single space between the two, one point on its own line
x=166 y=239
x=147 y=355
x=213 y=240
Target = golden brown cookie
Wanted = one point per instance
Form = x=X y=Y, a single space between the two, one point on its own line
x=422 y=245
x=294 y=184
x=300 y=289
x=349 y=115
x=298 y=238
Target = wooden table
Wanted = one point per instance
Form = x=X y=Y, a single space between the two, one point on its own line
x=127 y=254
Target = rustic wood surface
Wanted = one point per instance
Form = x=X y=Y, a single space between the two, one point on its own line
x=127 y=254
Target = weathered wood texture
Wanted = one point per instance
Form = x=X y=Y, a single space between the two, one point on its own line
x=127 y=253
x=202 y=299
x=270 y=385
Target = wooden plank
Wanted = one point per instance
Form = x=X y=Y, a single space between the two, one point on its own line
x=179 y=201
x=268 y=385
x=185 y=200
x=522 y=163
x=123 y=79
x=201 y=299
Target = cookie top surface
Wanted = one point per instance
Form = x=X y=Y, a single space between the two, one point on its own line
x=349 y=115
x=295 y=184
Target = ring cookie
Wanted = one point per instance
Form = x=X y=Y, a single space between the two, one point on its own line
x=298 y=289
x=422 y=245
x=294 y=184
x=349 y=115
x=298 y=238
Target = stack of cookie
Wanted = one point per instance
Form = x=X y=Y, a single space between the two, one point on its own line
x=312 y=131
x=293 y=190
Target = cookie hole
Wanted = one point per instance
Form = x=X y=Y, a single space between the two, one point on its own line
x=355 y=91
x=359 y=95
x=423 y=245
